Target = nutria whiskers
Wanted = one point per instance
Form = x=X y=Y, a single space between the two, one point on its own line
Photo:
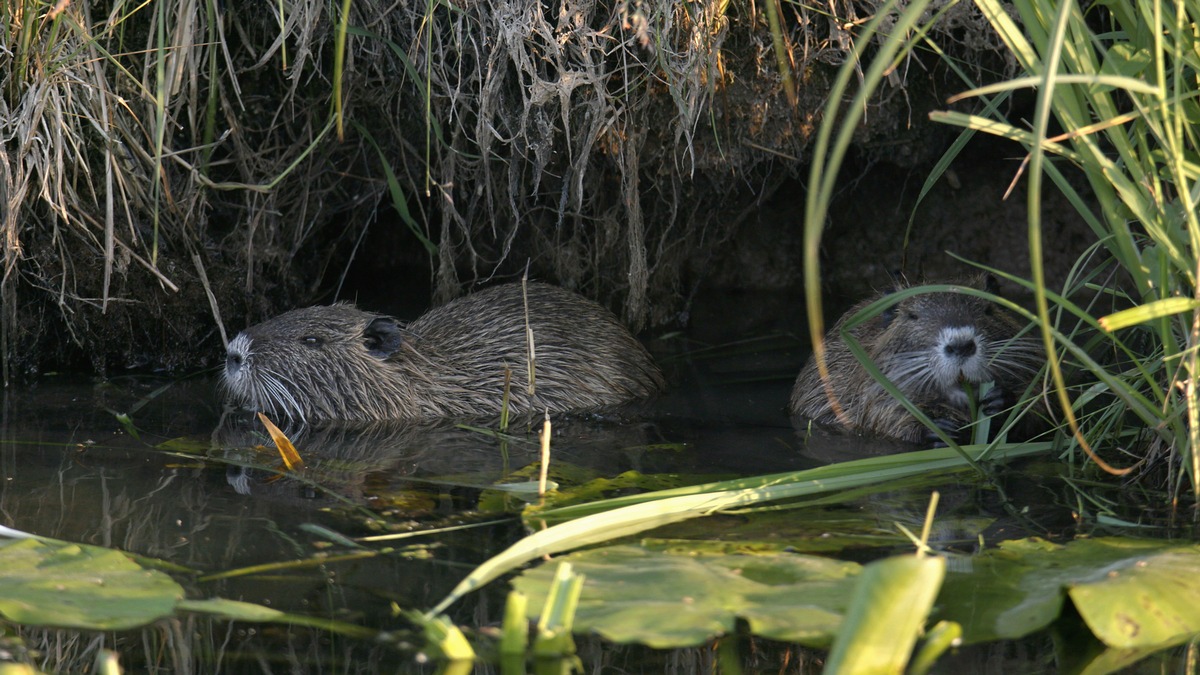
x=338 y=362
x=928 y=345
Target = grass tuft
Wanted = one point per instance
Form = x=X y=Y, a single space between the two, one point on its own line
x=1121 y=85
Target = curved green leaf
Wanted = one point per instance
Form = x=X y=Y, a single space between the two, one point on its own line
x=1131 y=592
x=628 y=520
x=888 y=610
x=72 y=586
x=1144 y=600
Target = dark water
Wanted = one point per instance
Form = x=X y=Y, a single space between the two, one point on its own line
x=179 y=480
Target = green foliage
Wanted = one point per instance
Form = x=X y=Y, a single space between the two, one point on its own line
x=557 y=619
x=80 y=587
x=622 y=516
x=443 y=639
x=1131 y=593
x=685 y=598
x=50 y=583
x=1134 y=596
x=887 y=612
x=1122 y=86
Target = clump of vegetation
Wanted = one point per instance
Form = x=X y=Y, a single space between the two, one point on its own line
x=1115 y=100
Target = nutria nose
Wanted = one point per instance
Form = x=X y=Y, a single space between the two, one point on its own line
x=960 y=348
x=233 y=363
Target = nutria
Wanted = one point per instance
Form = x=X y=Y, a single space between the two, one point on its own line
x=928 y=345
x=338 y=362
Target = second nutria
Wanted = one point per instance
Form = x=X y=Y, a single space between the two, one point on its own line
x=338 y=362
x=928 y=345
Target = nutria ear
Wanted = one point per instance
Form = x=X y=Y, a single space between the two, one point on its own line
x=383 y=337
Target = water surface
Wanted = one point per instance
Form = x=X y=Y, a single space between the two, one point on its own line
x=162 y=468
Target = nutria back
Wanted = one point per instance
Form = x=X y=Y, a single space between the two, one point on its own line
x=338 y=362
x=928 y=345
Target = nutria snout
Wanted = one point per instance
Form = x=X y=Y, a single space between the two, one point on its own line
x=930 y=346
x=338 y=362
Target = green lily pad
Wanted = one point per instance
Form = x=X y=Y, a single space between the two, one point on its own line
x=1131 y=593
x=1149 y=599
x=668 y=600
x=1004 y=593
x=72 y=586
x=47 y=583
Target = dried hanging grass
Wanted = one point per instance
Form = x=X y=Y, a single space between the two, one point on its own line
x=614 y=145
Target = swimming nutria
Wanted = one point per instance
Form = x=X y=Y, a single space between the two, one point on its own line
x=338 y=362
x=928 y=345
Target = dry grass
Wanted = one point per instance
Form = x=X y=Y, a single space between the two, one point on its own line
x=615 y=145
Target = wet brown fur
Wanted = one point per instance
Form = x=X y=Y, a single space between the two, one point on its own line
x=338 y=362
x=902 y=342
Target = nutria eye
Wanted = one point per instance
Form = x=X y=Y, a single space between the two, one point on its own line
x=311 y=341
x=887 y=316
x=989 y=310
x=912 y=316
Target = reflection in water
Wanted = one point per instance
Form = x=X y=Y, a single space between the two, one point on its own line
x=354 y=459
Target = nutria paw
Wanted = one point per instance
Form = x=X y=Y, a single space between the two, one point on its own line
x=953 y=427
x=996 y=401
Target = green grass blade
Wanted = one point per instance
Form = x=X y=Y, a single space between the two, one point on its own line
x=891 y=601
x=1148 y=312
x=829 y=151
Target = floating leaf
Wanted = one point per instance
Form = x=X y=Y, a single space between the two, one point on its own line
x=1131 y=592
x=73 y=586
x=232 y=609
x=625 y=516
x=667 y=600
x=291 y=458
x=1006 y=593
x=1148 y=600
x=235 y=610
x=93 y=588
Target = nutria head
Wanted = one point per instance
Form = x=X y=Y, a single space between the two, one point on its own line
x=930 y=345
x=317 y=363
